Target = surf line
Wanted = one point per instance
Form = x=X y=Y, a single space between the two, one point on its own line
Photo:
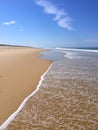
x=7 y=122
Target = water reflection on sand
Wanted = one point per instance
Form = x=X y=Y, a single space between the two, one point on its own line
x=66 y=100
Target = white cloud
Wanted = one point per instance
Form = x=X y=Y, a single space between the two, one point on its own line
x=9 y=23
x=60 y=16
x=65 y=23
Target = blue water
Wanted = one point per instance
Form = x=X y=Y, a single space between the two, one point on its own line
x=86 y=48
x=60 y=53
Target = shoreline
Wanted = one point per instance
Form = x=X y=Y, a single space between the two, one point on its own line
x=24 y=57
x=62 y=98
x=13 y=115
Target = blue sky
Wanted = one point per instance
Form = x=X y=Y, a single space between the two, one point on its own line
x=49 y=23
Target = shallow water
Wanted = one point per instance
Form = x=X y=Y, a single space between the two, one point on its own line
x=67 y=98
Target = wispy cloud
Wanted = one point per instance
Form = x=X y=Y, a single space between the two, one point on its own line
x=60 y=16
x=9 y=23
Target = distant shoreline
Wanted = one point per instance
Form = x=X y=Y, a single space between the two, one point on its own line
x=15 y=46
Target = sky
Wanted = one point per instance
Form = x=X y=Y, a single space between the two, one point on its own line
x=49 y=23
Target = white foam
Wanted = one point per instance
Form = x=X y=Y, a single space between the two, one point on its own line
x=71 y=49
x=69 y=55
x=6 y=123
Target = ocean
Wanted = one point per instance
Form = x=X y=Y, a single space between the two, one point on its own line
x=67 y=97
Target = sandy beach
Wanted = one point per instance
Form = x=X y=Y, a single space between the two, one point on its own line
x=20 y=72
x=67 y=98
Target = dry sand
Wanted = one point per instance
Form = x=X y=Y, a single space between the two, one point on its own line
x=20 y=72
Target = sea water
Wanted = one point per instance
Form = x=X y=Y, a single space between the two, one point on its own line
x=68 y=96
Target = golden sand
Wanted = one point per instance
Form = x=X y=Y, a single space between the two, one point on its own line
x=20 y=72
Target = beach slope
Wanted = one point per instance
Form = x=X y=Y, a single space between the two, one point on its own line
x=20 y=72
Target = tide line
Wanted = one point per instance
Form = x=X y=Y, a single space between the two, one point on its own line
x=7 y=122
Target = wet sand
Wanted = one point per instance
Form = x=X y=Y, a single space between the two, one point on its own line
x=66 y=100
x=20 y=72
